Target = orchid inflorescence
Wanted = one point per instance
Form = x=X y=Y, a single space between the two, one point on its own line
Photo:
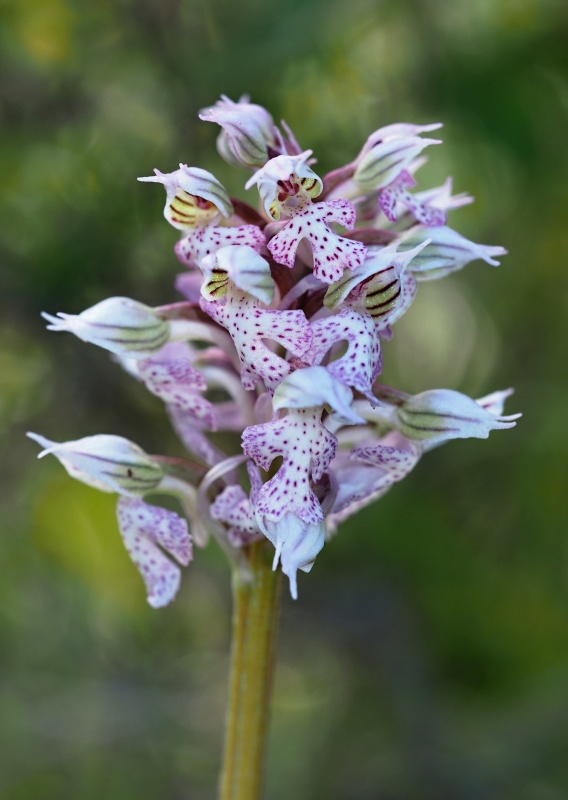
x=279 y=339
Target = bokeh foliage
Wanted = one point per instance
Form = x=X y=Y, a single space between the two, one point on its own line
x=427 y=657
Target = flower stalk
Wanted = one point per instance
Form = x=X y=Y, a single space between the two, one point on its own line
x=279 y=340
x=254 y=629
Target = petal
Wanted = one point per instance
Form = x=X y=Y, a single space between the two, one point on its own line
x=285 y=183
x=331 y=253
x=361 y=364
x=380 y=287
x=247 y=129
x=306 y=447
x=297 y=544
x=143 y=527
x=441 y=414
x=203 y=242
x=441 y=197
x=494 y=403
x=315 y=387
x=249 y=325
x=244 y=267
x=385 y=156
x=194 y=197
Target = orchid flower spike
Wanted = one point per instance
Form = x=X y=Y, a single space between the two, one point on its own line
x=279 y=340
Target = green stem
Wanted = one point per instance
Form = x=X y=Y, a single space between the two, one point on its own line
x=254 y=628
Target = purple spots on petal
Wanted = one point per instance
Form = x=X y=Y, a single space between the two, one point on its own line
x=283 y=437
x=203 y=241
x=317 y=217
x=145 y=529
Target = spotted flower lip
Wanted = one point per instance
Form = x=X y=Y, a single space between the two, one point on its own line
x=396 y=193
x=147 y=531
x=361 y=364
x=287 y=509
x=296 y=545
x=171 y=376
x=250 y=325
x=331 y=253
x=194 y=197
x=366 y=472
x=203 y=242
x=109 y=463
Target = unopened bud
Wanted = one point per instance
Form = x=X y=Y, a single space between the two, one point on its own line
x=389 y=151
x=106 y=462
x=247 y=131
x=445 y=252
x=118 y=324
x=442 y=414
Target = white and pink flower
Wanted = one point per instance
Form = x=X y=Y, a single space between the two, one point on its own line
x=279 y=339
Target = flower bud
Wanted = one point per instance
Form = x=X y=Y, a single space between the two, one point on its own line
x=442 y=414
x=194 y=197
x=118 y=324
x=446 y=252
x=389 y=151
x=247 y=131
x=109 y=463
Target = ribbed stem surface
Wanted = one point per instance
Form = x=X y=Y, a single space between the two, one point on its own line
x=254 y=628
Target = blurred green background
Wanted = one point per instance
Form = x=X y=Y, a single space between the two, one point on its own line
x=427 y=656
